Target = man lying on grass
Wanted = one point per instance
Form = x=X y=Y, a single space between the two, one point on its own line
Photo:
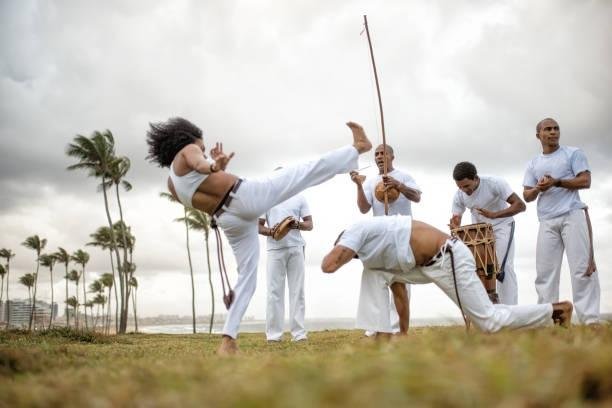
x=415 y=252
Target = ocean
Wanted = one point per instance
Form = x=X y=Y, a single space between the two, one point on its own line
x=259 y=326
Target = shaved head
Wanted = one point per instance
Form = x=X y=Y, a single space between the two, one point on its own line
x=540 y=123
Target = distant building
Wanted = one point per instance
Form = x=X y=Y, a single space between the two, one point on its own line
x=20 y=310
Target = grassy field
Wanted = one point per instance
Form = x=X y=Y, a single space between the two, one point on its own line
x=431 y=367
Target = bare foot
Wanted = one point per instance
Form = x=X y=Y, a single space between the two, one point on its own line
x=228 y=346
x=360 y=140
x=562 y=313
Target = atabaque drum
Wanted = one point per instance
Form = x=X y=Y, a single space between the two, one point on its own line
x=480 y=240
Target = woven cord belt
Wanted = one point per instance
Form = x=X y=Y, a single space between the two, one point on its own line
x=502 y=269
x=592 y=267
x=465 y=319
x=228 y=296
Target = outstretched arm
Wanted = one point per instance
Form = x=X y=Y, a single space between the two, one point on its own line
x=337 y=257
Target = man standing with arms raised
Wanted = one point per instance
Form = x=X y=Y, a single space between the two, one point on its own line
x=375 y=313
x=554 y=178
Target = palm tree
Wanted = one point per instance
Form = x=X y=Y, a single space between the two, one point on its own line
x=107 y=280
x=2 y=273
x=81 y=257
x=63 y=256
x=75 y=276
x=74 y=302
x=200 y=221
x=119 y=167
x=89 y=304
x=99 y=300
x=29 y=280
x=184 y=220
x=102 y=238
x=95 y=155
x=97 y=288
x=48 y=260
x=37 y=244
x=7 y=254
x=134 y=283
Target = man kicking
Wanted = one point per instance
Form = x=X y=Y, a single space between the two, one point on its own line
x=416 y=252
x=236 y=204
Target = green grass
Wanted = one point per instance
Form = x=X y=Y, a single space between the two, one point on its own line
x=431 y=367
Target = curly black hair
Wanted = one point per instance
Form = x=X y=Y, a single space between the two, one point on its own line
x=464 y=170
x=166 y=139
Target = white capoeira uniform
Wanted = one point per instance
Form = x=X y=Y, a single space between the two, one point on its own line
x=563 y=225
x=254 y=197
x=492 y=194
x=383 y=243
x=286 y=259
x=376 y=309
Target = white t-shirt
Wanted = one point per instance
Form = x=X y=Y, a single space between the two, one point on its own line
x=382 y=243
x=564 y=163
x=401 y=206
x=491 y=194
x=297 y=207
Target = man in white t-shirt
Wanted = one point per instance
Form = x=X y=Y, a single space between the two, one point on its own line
x=286 y=259
x=375 y=313
x=490 y=200
x=414 y=252
x=554 y=178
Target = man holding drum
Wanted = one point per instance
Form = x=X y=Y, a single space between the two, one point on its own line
x=554 y=178
x=415 y=252
x=491 y=201
x=375 y=313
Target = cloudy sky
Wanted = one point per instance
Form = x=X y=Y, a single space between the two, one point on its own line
x=275 y=82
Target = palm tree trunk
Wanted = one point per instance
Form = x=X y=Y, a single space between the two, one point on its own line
x=210 y=283
x=193 y=312
x=108 y=311
x=76 y=308
x=67 y=313
x=35 y=288
x=8 y=299
x=85 y=298
x=124 y=238
x=122 y=323
x=134 y=307
x=51 y=315
x=116 y=299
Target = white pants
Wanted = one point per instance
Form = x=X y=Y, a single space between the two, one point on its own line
x=285 y=262
x=508 y=289
x=475 y=302
x=569 y=232
x=255 y=197
x=376 y=310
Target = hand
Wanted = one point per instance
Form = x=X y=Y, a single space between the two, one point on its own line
x=221 y=159
x=485 y=213
x=357 y=178
x=390 y=182
x=454 y=222
x=295 y=224
x=546 y=182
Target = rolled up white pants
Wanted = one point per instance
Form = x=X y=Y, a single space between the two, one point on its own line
x=255 y=197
